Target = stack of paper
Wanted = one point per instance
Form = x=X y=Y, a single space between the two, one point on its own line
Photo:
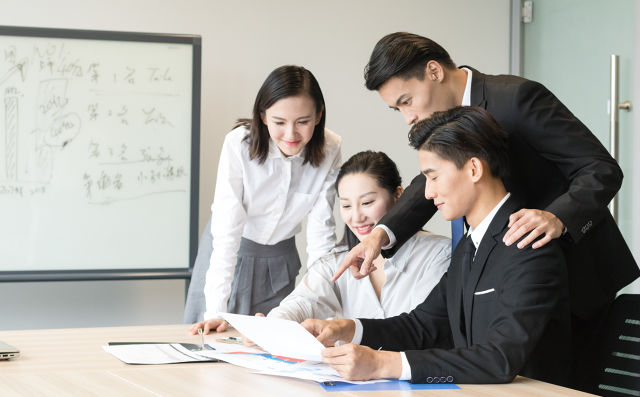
x=290 y=350
x=158 y=353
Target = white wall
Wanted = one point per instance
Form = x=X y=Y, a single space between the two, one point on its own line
x=242 y=42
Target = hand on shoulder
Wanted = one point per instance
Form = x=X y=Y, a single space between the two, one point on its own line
x=536 y=223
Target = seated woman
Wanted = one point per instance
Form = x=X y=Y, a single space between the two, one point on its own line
x=368 y=185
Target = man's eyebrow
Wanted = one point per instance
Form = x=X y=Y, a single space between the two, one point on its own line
x=400 y=99
x=428 y=171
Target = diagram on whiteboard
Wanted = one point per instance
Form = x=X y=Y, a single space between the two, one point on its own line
x=96 y=142
x=106 y=123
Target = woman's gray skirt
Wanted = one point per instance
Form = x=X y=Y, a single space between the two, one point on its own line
x=264 y=275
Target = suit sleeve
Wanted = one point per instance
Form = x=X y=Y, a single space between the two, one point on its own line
x=557 y=135
x=409 y=214
x=425 y=326
x=315 y=296
x=531 y=289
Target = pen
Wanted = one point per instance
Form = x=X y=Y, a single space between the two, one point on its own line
x=201 y=338
x=328 y=383
x=230 y=339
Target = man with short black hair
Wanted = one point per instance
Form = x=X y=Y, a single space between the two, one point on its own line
x=560 y=169
x=506 y=308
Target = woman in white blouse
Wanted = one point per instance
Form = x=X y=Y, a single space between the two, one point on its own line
x=275 y=169
x=368 y=185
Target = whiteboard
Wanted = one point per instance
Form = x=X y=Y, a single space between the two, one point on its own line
x=99 y=142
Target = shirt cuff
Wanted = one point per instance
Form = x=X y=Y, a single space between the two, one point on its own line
x=406 y=369
x=392 y=237
x=357 y=333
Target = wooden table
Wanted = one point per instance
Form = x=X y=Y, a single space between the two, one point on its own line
x=71 y=362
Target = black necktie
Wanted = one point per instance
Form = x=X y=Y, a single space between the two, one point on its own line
x=468 y=251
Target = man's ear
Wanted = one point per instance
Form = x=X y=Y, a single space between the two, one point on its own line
x=476 y=168
x=433 y=71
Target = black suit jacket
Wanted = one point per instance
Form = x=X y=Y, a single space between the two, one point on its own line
x=557 y=165
x=518 y=319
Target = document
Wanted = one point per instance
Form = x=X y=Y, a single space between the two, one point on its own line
x=158 y=353
x=173 y=353
x=278 y=337
x=267 y=364
x=290 y=350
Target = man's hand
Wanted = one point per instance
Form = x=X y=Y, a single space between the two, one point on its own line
x=536 y=223
x=355 y=362
x=360 y=258
x=328 y=332
x=215 y=324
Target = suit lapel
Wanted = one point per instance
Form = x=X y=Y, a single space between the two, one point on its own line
x=487 y=244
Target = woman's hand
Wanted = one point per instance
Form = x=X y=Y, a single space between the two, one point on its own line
x=214 y=324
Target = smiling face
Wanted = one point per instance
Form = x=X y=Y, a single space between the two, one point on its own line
x=418 y=99
x=291 y=122
x=363 y=203
x=451 y=189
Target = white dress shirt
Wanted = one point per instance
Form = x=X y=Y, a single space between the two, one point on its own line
x=410 y=275
x=266 y=203
x=466 y=101
x=479 y=231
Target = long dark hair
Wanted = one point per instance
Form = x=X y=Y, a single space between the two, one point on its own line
x=378 y=166
x=285 y=81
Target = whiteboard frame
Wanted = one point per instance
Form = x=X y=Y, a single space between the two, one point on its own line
x=129 y=274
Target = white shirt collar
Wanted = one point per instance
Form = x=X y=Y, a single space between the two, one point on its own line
x=478 y=233
x=466 y=98
x=401 y=258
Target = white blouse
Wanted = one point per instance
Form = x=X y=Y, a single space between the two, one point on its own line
x=266 y=203
x=410 y=274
